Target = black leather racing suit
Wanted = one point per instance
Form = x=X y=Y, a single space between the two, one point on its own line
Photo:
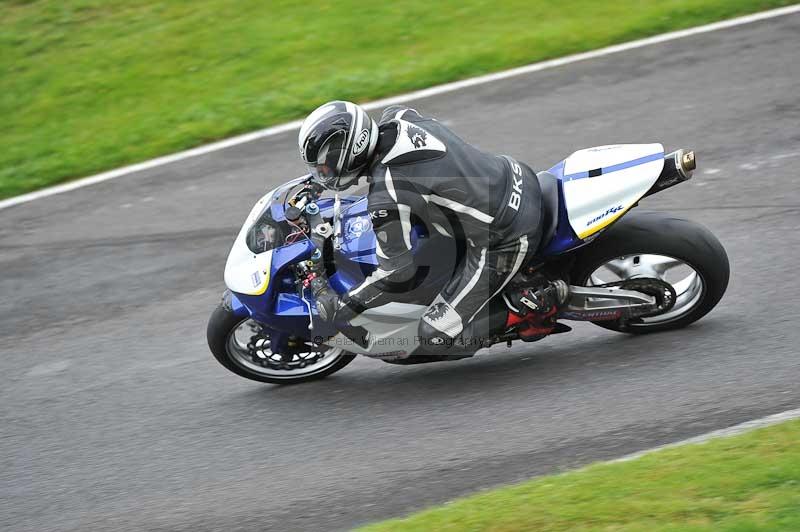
x=423 y=171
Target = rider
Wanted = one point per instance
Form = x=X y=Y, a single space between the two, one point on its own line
x=419 y=168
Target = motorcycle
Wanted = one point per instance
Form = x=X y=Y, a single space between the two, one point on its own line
x=627 y=271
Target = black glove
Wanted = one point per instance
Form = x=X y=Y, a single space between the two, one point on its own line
x=347 y=310
x=340 y=311
x=332 y=308
x=327 y=304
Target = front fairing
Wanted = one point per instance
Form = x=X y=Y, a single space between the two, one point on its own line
x=249 y=269
x=258 y=270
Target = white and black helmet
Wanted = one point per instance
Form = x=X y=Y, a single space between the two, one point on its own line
x=336 y=142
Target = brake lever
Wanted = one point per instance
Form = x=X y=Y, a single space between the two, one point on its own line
x=310 y=311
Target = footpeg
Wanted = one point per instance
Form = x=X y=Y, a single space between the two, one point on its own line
x=535 y=313
x=530 y=304
x=544 y=299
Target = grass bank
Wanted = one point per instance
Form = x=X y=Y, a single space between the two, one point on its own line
x=88 y=85
x=745 y=483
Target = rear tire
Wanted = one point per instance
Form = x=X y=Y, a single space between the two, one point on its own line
x=223 y=323
x=660 y=234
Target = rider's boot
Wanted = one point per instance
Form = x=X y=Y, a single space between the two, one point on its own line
x=534 y=310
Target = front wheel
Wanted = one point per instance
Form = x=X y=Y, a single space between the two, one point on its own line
x=243 y=347
x=656 y=245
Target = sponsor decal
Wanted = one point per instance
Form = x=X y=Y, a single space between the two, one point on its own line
x=591 y=315
x=378 y=213
x=611 y=210
x=361 y=142
x=516 y=186
x=417 y=136
x=256 y=278
x=358 y=226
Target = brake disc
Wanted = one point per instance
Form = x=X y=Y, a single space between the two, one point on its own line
x=295 y=357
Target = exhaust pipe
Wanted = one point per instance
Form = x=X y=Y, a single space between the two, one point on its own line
x=678 y=167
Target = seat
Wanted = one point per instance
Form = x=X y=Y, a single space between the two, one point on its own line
x=549 y=185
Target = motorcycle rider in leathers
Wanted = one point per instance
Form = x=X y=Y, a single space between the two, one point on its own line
x=419 y=169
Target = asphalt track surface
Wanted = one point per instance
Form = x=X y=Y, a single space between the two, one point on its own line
x=115 y=416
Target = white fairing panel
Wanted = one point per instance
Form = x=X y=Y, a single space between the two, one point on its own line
x=245 y=271
x=602 y=183
x=393 y=331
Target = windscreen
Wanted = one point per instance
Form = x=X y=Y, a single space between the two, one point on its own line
x=271 y=229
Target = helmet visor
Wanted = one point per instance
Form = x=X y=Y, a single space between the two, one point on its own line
x=330 y=159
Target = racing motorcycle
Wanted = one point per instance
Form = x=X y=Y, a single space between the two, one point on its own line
x=627 y=271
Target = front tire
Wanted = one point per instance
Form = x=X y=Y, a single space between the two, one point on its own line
x=221 y=333
x=643 y=243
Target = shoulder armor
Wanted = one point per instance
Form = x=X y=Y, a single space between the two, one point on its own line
x=396 y=112
x=413 y=144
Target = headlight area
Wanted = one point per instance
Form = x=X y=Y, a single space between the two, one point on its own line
x=264 y=235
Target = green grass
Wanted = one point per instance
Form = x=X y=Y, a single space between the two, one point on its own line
x=745 y=483
x=88 y=85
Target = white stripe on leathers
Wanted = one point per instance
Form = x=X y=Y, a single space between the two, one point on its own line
x=472 y=282
x=373 y=278
x=458 y=207
x=405 y=223
x=387 y=179
x=523 y=250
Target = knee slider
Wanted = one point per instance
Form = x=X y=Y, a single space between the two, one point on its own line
x=432 y=340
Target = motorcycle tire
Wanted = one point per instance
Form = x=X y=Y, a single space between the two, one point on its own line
x=223 y=323
x=654 y=233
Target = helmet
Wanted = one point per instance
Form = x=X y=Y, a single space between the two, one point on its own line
x=336 y=142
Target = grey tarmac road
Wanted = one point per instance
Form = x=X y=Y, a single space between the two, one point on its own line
x=115 y=416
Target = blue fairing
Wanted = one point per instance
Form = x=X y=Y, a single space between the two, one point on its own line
x=238 y=308
x=358 y=239
x=342 y=281
x=565 y=238
x=280 y=307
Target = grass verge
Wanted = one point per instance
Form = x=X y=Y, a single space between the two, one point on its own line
x=744 y=483
x=88 y=85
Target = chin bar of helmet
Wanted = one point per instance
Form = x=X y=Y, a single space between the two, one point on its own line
x=678 y=167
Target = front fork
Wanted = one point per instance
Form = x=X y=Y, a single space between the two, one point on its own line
x=287 y=323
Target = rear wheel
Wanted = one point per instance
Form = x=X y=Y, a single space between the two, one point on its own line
x=655 y=245
x=243 y=347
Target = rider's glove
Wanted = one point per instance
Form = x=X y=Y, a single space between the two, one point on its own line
x=327 y=304
x=347 y=310
x=332 y=308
